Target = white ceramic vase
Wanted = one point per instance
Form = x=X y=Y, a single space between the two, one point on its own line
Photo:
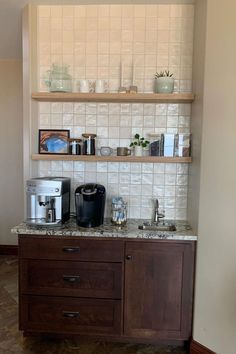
x=164 y=85
x=138 y=150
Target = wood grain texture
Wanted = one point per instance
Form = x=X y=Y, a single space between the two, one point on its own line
x=9 y=250
x=11 y=338
x=58 y=248
x=161 y=277
x=137 y=290
x=78 y=279
x=94 y=158
x=185 y=97
x=197 y=348
x=73 y=315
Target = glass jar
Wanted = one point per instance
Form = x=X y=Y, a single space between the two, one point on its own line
x=119 y=213
x=58 y=79
x=74 y=146
x=89 y=144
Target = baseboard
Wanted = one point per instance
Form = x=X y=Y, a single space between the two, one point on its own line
x=197 y=348
x=10 y=250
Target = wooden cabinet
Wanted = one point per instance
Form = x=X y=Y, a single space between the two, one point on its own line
x=53 y=314
x=122 y=289
x=70 y=249
x=84 y=279
x=161 y=277
x=70 y=285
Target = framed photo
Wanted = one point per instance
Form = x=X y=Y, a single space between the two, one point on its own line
x=53 y=141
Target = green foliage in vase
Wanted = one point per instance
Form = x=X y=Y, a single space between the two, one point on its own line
x=165 y=73
x=138 y=141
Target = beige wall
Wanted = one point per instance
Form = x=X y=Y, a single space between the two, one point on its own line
x=215 y=298
x=11 y=161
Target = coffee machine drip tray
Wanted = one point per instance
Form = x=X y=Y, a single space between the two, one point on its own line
x=42 y=222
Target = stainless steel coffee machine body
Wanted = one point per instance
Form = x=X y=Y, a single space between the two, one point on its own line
x=48 y=200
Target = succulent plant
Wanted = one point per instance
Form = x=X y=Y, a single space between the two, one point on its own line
x=165 y=73
x=138 y=141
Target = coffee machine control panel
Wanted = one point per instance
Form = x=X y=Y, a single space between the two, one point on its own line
x=49 y=188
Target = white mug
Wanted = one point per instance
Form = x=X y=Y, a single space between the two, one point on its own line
x=85 y=85
x=100 y=86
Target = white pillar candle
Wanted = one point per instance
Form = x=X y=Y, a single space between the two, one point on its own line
x=121 y=74
x=133 y=74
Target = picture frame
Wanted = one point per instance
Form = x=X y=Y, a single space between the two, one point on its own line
x=53 y=141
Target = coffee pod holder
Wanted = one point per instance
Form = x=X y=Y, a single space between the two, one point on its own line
x=118 y=211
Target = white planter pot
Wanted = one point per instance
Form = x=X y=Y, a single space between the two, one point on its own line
x=164 y=85
x=146 y=151
x=138 y=151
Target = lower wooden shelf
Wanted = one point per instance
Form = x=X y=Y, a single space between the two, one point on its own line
x=96 y=158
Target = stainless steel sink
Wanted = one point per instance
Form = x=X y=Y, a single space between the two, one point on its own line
x=157 y=227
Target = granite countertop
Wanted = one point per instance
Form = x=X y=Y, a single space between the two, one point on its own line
x=130 y=230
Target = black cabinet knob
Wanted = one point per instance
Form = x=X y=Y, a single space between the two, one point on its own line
x=128 y=257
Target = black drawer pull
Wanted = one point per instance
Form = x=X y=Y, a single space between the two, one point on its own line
x=71 y=249
x=71 y=278
x=70 y=314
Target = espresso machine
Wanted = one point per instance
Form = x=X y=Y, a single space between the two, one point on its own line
x=48 y=200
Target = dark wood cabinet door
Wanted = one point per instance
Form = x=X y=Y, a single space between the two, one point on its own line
x=159 y=289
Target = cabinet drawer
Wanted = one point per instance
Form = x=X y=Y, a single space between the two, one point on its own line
x=70 y=315
x=69 y=248
x=63 y=278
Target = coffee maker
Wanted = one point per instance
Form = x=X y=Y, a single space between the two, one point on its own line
x=90 y=204
x=48 y=200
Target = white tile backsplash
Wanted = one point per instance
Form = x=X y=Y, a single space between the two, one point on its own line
x=94 y=40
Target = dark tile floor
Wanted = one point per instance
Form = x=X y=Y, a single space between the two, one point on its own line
x=13 y=342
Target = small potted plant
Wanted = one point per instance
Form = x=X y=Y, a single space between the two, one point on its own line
x=164 y=82
x=139 y=144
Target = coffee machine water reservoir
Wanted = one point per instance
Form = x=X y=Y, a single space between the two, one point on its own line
x=48 y=200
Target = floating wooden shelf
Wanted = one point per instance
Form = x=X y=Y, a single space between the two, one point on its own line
x=95 y=158
x=185 y=97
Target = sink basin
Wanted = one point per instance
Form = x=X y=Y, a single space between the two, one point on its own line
x=159 y=227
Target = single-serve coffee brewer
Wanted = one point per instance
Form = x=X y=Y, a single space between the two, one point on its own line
x=90 y=204
x=48 y=200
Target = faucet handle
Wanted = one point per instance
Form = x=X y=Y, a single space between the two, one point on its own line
x=156 y=204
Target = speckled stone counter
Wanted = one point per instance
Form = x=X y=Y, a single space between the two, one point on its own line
x=130 y=230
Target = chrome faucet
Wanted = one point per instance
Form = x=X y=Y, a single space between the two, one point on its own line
x=157 y=215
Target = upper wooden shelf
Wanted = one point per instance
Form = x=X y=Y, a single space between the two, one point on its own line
x=114 y=97
x=96 y=158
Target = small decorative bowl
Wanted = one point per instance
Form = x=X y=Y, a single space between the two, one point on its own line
x=106 y=151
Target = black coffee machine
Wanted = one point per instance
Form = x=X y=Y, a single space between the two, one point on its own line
x=90 y=204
